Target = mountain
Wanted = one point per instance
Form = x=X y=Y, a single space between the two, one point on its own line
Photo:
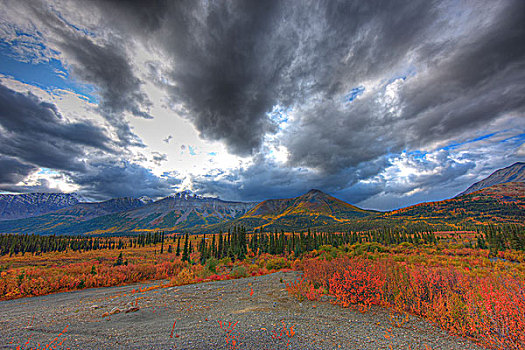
x=184 y=212
x=312 y=209
x=181 y=211
x=501 y=203
x=62 y=220
x=513 y=173
x=18 y=206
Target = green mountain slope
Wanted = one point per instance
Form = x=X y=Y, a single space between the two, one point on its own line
x=313 y=209
x=502 y=203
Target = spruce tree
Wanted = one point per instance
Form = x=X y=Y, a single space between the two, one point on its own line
x=220 y=248
x=185 y=255
x=119 y=260
x=213 y=249
x=178 y=247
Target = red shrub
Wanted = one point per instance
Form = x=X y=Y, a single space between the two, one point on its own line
x=361 y=282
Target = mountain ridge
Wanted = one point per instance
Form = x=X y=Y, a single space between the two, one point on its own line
x=19 y=206
x=181 y=211
x=512 y=173
x=503 y=202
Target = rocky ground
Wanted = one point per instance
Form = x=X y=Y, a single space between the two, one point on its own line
x=250 y=313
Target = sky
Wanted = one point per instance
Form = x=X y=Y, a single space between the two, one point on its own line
x=382 y=104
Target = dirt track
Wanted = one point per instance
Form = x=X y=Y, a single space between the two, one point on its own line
x=197 y=310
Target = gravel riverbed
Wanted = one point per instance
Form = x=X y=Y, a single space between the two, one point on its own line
x=190 y=317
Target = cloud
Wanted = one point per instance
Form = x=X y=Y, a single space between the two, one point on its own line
x=361 y=88
x=35 y=132
x=91 y=59
x=40 y=186
x=158 y=158
x=385 y=183
x=105 y=178
x=520 y=152
x=107 y=67
x=428 y=74
x=264 y=179
x=264 y=54
x=13 y=171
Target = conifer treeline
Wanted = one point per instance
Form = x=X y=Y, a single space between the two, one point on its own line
x=235 y=243
x=502 y=237
x=36 y=244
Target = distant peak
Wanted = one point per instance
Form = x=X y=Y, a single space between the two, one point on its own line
x=145 y=199
x=314 y=192
x=185 y=195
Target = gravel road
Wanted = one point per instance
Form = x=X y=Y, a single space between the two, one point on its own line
x=195 y=311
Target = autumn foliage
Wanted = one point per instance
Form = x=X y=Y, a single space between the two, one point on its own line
x=469 y=284
x=40 y=281
x=489 y=308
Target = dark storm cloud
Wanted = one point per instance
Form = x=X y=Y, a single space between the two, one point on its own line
x=145 y=16
x=226 y=73
x=103 y=63
x=264 y=179
x=106 y=178
x=467 y=86
x=13 y=171
x=35 y=132
x=108 y=68
x=471 y=84
x=234 y=62
x=443 y=79
x=38 y=136
x=429 y=73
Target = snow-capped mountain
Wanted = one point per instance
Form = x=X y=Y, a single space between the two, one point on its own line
x=18 y=206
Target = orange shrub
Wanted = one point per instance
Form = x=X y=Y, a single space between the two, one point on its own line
x=361 y=282
x=18 y=283
x=301 y=289
x=489 y=307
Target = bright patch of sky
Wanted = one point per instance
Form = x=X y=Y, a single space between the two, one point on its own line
x=389 y=98
x=51 y=179
x=279 y=154
x=192 y=150
x=354 y=93
x=280 y=116
x=46 y=171
x=47 y=75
